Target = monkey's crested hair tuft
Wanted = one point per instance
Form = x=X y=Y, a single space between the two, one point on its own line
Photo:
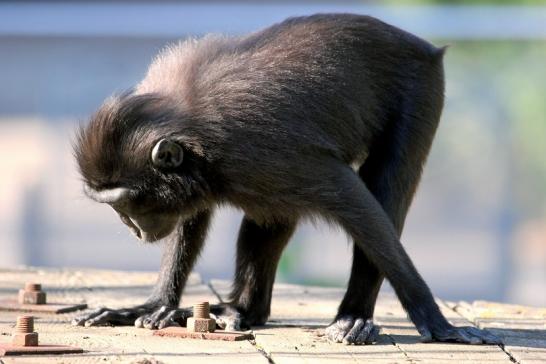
x=114 y=146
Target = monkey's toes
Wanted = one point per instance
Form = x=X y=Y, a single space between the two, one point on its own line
x=351 y=330
x=164 y=316
x=466 y=335
x=89 y=315
x=229 y=322
x=104 y=317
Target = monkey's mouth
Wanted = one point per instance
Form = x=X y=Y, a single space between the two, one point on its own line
x=150 y=228
x=127 y=221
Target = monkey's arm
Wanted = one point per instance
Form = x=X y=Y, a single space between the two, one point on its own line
x=161 y=309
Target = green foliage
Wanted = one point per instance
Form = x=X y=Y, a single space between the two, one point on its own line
x=288 y=264
x=495 y=120
x=465 y=2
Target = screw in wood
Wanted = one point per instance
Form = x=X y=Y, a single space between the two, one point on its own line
x=25 y=324
x=32 y=294
x=24 y=334
x=201 y=321
x=33 y=287
x=201 y=310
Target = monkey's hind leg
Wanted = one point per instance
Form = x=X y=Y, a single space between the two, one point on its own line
x=353 y=323
x=259 y=249
x=347 y=200
x=391 y=173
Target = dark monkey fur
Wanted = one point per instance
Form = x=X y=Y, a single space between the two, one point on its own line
x=328 y=116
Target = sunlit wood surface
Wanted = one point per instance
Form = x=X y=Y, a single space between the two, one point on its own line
x=294 y=333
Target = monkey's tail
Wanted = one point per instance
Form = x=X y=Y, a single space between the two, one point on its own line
x=439 y=52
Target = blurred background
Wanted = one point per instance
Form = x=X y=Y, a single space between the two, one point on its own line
x=476 y=230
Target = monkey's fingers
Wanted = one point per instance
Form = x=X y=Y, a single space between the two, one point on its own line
x=230 y=322
x=150 y=319
x=467 y=335
x=162 y=317
x=484 y=336
x=80 y=320
x=359 y=327
x=337 y=331
x=174 y=317
x=366 y=334
x=373 y=335
x=112 y=317
x=352 y=330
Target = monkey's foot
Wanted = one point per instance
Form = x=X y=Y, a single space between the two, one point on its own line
x=164 y=316
x=228 y=317
x=150 y=316
x=466 y=335
x=352 y=330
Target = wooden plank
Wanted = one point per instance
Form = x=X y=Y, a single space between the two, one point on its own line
x=294 y=333
x=295 y=305
x=14 y=305
x=43 y=349
x=523 y=329
x=393 y=320
x=112 y=344
x=182 y=332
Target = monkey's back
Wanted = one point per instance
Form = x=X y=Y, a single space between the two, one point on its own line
x=319 y=83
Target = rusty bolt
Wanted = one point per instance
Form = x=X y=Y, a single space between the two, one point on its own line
x=24 y=332
x=32 y=294
x=201 y=310
x=201 y=321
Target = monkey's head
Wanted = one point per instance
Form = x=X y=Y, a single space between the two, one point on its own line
x=131 y=157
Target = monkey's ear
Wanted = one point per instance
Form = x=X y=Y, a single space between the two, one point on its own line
x=167 y=154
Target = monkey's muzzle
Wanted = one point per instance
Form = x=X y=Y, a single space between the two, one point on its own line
x=127 y=221
x=150 y=227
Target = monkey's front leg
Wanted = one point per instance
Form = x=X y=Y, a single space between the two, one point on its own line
x=259 y=249
x=161 y=309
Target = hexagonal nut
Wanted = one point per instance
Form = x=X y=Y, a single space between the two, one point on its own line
x=34 y=298
x=201 y=324
x=30 y=339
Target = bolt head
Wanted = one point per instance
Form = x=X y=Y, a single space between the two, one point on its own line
x=29 y=339
x=201 y=325
x=34 y=298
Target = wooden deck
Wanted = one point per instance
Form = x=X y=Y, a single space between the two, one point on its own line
x=293 y=334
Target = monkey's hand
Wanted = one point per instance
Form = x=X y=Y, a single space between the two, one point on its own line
x=352 y=330
x=150 y=315
x=465 y=335
x=228 y=317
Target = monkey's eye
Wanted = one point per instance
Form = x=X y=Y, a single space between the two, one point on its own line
x=167 y=154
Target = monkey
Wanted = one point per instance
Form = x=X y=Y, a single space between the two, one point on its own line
x=328 y=116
